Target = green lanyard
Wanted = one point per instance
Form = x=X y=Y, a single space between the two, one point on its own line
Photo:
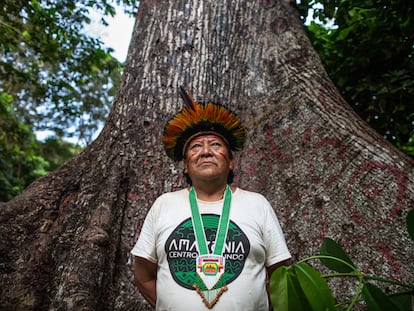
x=222 y=226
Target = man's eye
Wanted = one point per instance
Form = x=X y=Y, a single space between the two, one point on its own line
x=195 y=146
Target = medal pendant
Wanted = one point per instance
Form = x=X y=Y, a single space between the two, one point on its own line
x=210 y=268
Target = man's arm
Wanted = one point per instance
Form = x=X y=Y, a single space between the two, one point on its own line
x=272 y=268
x=145 y=277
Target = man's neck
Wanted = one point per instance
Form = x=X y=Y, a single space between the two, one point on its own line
x=210 y=192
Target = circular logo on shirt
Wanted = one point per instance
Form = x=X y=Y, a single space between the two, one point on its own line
x=181 y=250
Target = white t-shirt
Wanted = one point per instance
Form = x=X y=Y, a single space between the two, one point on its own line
x=254 y=241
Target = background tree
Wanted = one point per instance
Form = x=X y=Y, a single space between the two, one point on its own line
x=64 y=243
x=366 y=47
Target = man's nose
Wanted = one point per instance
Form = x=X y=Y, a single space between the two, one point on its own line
x=205 y=149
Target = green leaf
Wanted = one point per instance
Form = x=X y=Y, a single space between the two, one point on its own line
x=410 y=224
x=314 y=287
x=26 y=35
x=402 y=301
x=343 y=33
x=285 y=291
x=333 y=249
x=377 y=300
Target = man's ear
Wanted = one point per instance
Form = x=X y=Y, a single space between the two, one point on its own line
x=231 y=165
x=185 y=166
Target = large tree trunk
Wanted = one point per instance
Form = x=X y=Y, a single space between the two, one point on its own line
x=64 y=243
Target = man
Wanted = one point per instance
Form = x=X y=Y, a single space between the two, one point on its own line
x=212 y=245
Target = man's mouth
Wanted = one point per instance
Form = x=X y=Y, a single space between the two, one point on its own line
x=206 y=163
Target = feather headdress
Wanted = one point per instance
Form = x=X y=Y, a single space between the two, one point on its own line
x=198 y=118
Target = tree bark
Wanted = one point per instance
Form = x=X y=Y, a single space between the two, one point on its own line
x=65 y=242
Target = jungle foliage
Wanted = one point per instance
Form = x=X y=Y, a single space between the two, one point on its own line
x=20 y=160
x=53 y=77
x=59 y=77
x=367 y=48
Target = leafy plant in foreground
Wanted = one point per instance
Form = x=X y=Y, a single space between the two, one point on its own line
x=301 y=287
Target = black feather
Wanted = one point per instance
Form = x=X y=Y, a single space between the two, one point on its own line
x=188 y=101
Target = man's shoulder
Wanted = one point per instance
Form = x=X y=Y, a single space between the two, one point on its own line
x=252 y=200
x=170 y=199
x=182 y=193
x=248 y=193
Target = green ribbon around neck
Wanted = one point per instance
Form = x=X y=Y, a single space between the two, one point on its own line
x=222 y=226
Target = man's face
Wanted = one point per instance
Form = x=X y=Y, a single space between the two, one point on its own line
x=207 y=158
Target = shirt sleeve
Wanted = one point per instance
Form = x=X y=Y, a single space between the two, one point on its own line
x=145 y=246
x=276 y=248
